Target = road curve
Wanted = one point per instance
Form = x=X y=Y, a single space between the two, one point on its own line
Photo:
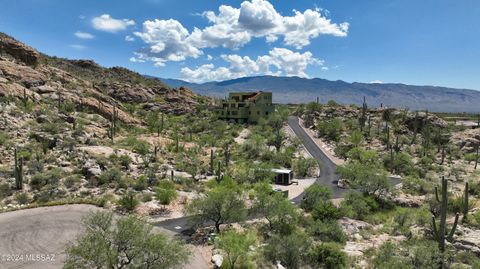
x=48 y=230
x=328 y=175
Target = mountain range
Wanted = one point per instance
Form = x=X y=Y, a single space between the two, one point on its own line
x=303 y=90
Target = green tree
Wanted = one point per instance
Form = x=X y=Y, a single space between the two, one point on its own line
x=281 y=215
x=314 y=194
x=235 y=246
x=302 y=167
x=325 y=210
x=223 y=204
x=330 y=129
x=126 y=242
x=291 y=250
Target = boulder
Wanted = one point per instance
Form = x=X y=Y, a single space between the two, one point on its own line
x=217 y=260
x=408 y=200
x=352 y=226
x=91 y=169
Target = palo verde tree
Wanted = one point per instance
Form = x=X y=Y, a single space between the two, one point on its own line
x=126 y=242
x=236 y=247
x=280 y=214
x=224 y=203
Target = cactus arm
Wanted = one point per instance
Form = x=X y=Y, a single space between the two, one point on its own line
x=434 y=227
x=452 y=232
x=436 y=195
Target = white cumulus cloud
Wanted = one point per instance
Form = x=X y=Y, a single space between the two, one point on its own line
x=107 y=23
x=231 y=27
x=279 y=61
x=129 y=38
x=83 y=35
x=168 y=40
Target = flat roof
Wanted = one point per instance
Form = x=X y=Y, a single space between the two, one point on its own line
x=282 y=171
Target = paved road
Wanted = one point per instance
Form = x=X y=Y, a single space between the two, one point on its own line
x=48 y=230
x=327 y=177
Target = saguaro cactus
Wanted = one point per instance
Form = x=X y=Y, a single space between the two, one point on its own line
x=212 y=158
x=25 y=98
x=226 y=152
x=465 y=203
x=18 y=171
x=440 y=233
x=160 y=127
x=363 y=115
x=219 y=172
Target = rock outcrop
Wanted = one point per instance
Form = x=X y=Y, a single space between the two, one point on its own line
x=18 y=50
x=26 y=73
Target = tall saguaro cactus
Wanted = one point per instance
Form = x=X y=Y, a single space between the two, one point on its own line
x=465 y=203
x=440 y=232
x=363 y=116
x=18 y=171
x=212 y=159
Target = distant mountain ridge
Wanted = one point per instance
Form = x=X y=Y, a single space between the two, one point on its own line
x=303 y=90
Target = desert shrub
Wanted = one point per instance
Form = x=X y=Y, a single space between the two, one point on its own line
x=357 y=205
x=328 y=256
x=326 y=210
x=106 y=198
x=470 y=157
x=330 y=129
x=52 y=177
x=128 y=201
x=415 y=185
x=125 y=161
x=109 y=176
x=314 y=194
x=290 y=250
x=141 y=183
x=165 y=192
x=303 y=167
x=138 y=146
x=3 y=138
x=22 y=198
x=327 y=231
x=71 y=181
x=5 y=190
x=410 y=254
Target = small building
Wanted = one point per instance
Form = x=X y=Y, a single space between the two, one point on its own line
x=243 y=107
x=283 y=176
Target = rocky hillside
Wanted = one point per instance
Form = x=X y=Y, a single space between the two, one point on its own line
x=27 y=73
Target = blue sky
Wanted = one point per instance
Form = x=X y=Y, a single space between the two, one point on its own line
x=428 y=42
